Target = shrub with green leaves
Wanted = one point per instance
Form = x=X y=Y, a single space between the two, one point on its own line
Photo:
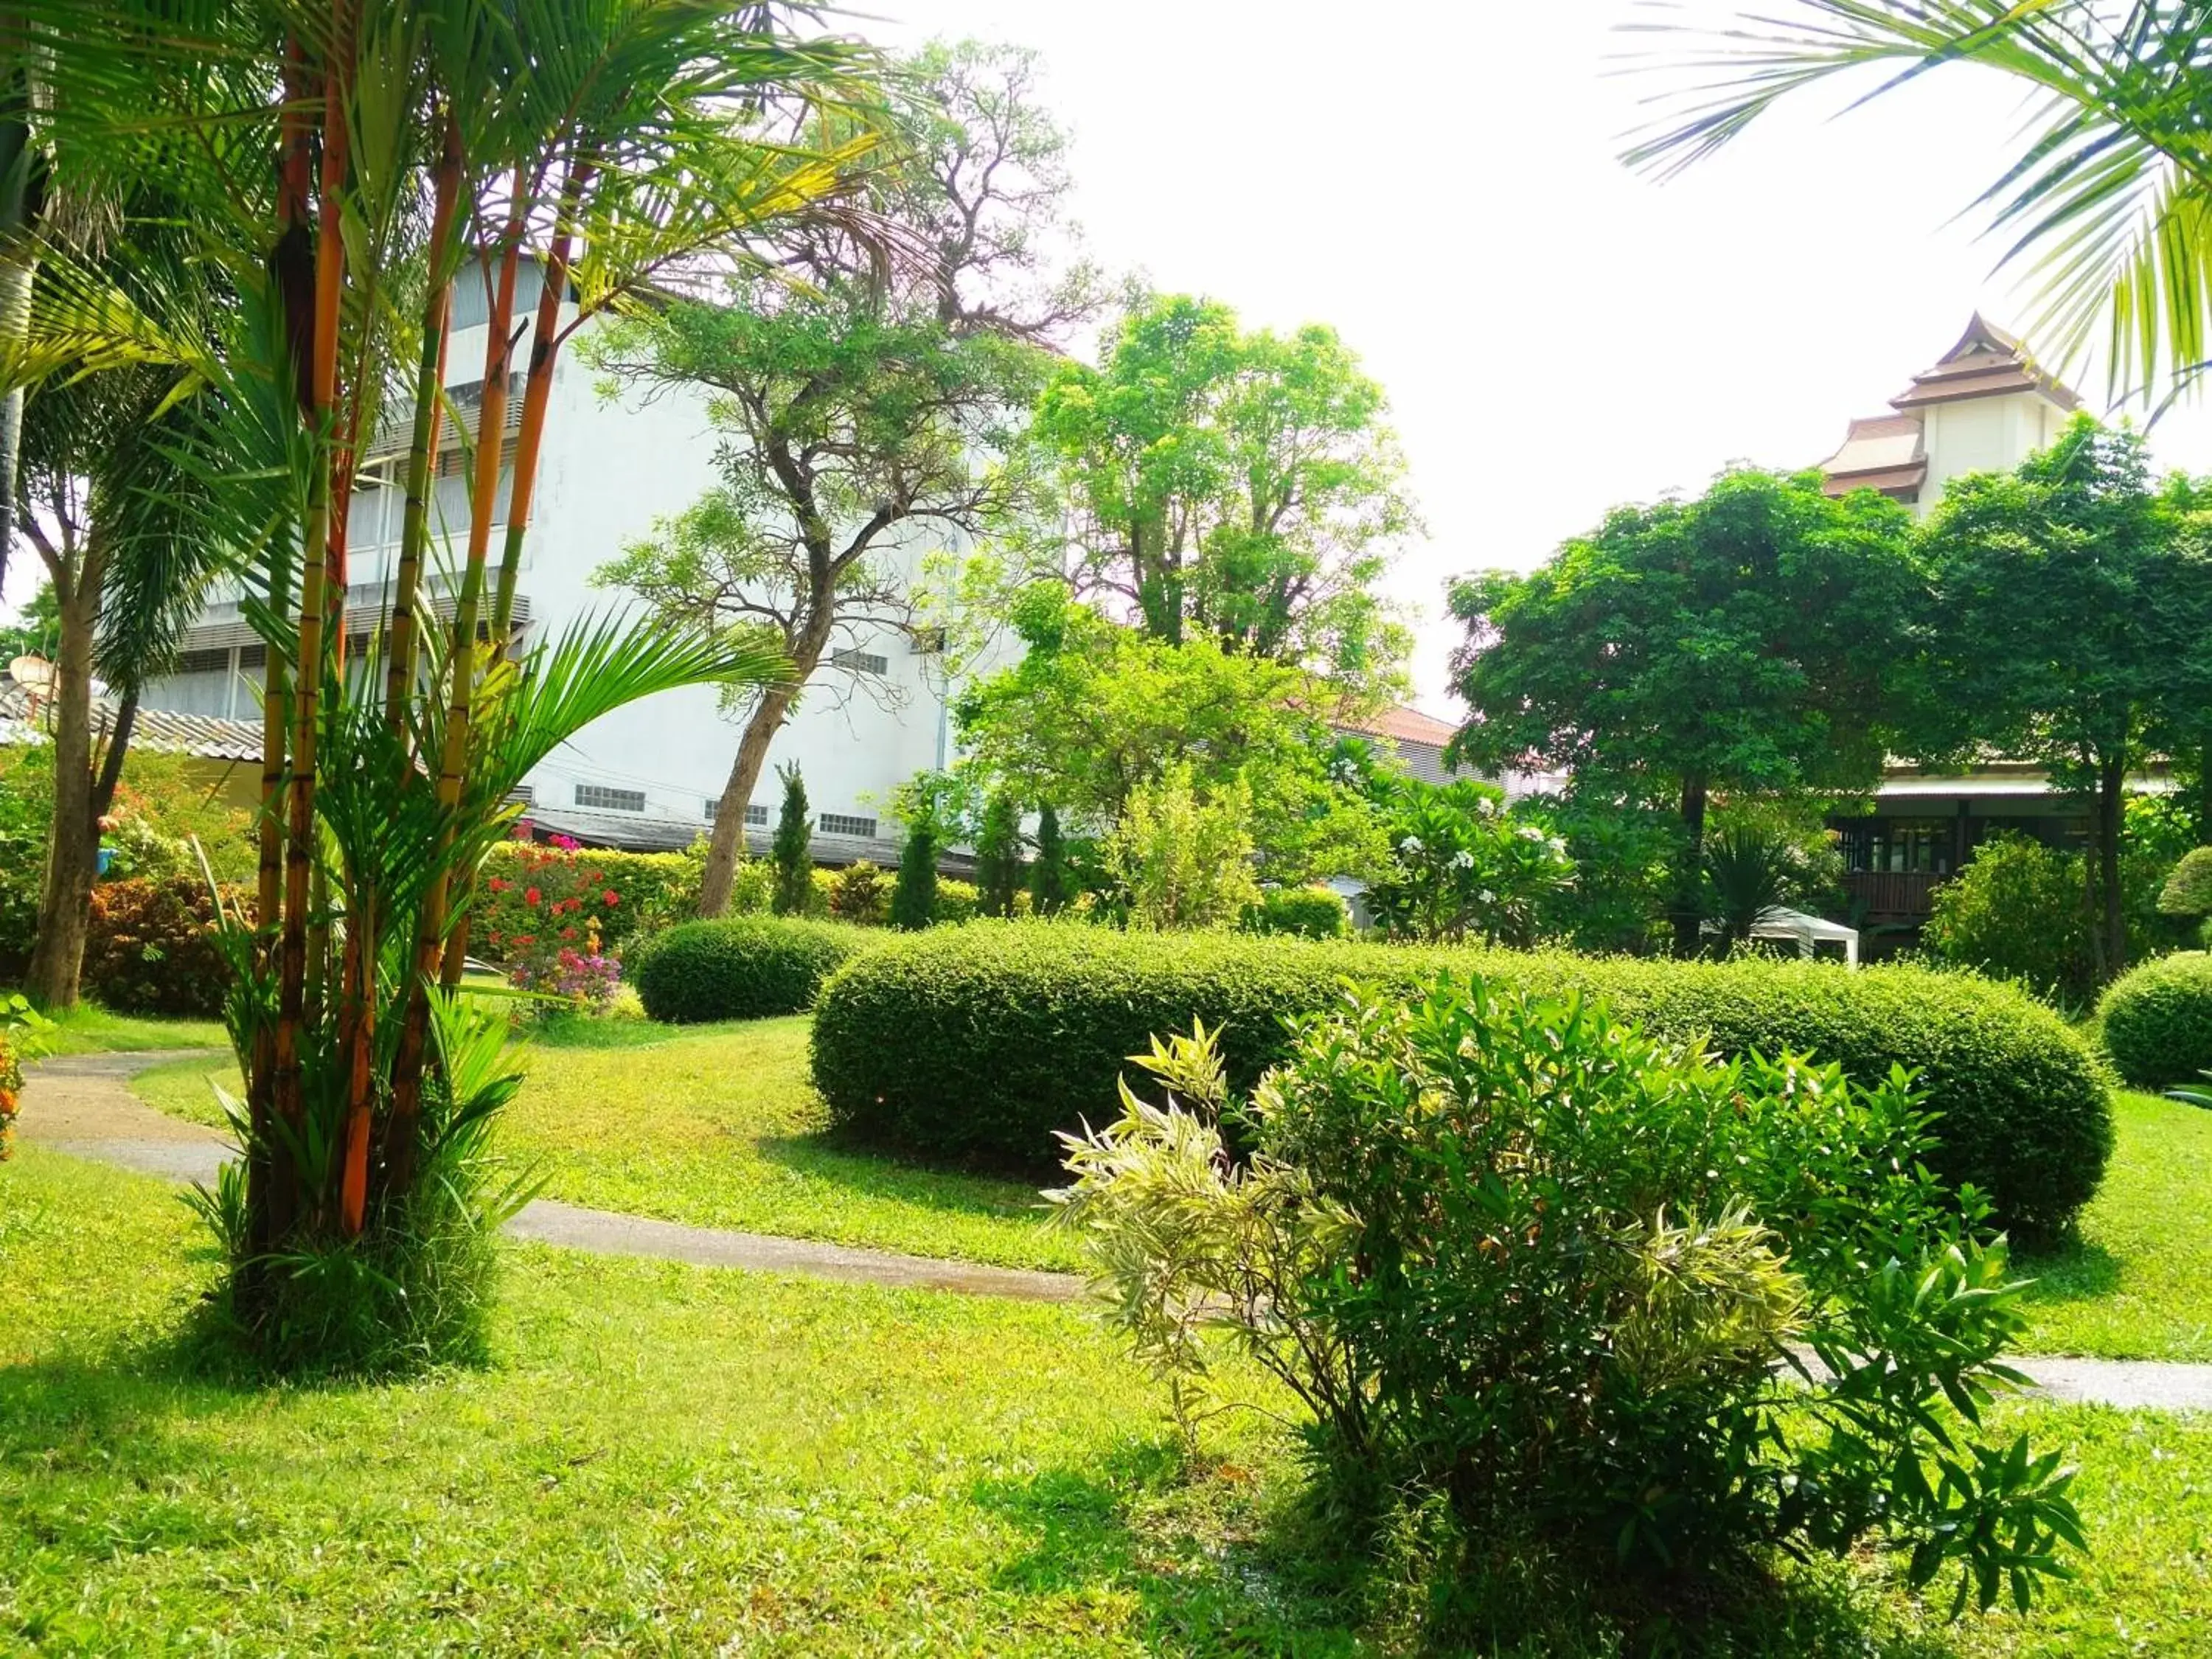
x=652 y=889
x=741 y=967
x=1301 y=912
x=859 y=893
x=2157 y=1020
x=1554 y=1274
x=2188 y=891
x=151 y=947
x=988 y=1039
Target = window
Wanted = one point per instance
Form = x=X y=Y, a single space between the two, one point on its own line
x=252 y=656
x=844 y=823
x=611 y=801
x=1898 y=845
x=215 y=661
x=756 y=817
x=861 y=662
x=524 y=796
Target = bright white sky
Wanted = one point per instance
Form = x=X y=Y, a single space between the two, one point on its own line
x=1438 y=181
x=1556 y=335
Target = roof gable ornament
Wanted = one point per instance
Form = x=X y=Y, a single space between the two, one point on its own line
x=1986 y=362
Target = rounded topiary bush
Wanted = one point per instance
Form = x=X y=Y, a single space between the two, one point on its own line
x=985 y=1040
x=1302 y=912
x=740 y=968
x=2158 y=1020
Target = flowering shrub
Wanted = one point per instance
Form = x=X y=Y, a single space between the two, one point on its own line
x=1459 y=864
x=21 y=1026
x=150 y=947
x=552 y=897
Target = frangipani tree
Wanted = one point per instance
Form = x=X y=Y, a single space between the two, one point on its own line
x=347 y=161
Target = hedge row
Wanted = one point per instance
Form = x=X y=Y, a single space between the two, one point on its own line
x=984 y=1040
x=2158 y=1020
x=740 y=967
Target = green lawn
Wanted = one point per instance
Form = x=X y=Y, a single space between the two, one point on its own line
x=90 y=1028
x=670 y=1460
x=2138 y=1286
x=717 y=1126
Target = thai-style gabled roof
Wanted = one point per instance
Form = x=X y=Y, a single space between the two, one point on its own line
x=1881 y=452
x=1987 y=362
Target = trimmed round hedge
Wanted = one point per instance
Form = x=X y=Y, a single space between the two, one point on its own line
x=984 y=1040
x=741 y=967
x=2158 y=1020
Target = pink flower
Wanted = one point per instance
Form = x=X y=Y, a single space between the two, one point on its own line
x=565 y=844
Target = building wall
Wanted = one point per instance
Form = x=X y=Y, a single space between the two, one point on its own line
x=1983 y=435
x=607 y=470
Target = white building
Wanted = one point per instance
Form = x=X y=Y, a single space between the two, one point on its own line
x=649 y=775
x=1984 y=407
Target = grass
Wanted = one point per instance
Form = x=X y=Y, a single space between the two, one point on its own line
x=676 y=1460
x=716 y=1126
x=89 y=1028
x=2137 y=1283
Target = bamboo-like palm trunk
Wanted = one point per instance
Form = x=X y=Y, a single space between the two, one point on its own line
x=300 y=794
x=452 y=765
x=537 y=399
x=422 y=443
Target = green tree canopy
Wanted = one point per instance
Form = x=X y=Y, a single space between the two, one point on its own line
x=1094 y=710
x=867 y=407
x=2074 y=604
x=1240 y=485
x=1758 y=637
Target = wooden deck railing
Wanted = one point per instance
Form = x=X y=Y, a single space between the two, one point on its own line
x=1893 y=895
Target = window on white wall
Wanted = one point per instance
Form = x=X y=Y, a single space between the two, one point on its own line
x=844 y=823
x=610 y=800
x=861 y=662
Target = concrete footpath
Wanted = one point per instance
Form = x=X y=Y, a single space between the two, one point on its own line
x=81 y=1104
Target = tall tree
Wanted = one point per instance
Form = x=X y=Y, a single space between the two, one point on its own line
x=1242 y=485
x=1758 y=637
x=864 y=394
x=338 y=157
x=110 y=516
x=2075 y=621
x=2109 y=197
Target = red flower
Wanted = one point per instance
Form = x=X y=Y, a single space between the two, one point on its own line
x=499 y=884
x=609 y=899
x=567 y=932
x=531 y=895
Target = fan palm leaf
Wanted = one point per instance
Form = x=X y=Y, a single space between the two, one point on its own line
x=2110 y=200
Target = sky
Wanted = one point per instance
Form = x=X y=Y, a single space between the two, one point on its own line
x=1557 y=335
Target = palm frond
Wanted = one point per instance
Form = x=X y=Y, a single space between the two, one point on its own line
x=2111 y=199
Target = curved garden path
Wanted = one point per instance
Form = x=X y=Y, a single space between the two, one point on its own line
x=81 y=1104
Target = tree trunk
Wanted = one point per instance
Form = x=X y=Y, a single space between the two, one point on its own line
x=73 y=842
x=1689 y=914
x=2111 y=817
x=736 y=794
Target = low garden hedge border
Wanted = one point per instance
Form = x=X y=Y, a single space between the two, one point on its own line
x=741 y=967
x=981 y=1042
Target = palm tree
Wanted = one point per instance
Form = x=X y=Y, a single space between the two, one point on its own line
x=2111 y=195
x=416 y=144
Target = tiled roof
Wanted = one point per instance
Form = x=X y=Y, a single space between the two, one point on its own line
x=1403 y=724
x=24 y=719
x=1986 y=362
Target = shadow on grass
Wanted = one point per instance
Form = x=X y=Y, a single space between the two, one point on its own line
x=827 y=1155
x=1213 y=1565
x=2078 y=1272
x=1195 y=1589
